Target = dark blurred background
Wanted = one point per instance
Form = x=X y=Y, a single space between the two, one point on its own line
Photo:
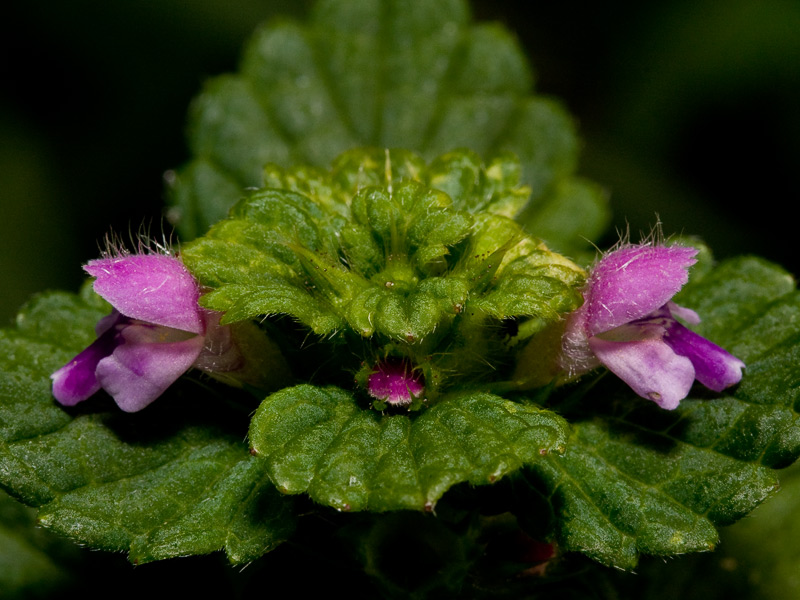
x=689 y=109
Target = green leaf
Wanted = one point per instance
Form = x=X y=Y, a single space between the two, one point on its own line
x=386 y=74
x=320 y=441
x=758 y=558
x=171 y=480
x=637 y=479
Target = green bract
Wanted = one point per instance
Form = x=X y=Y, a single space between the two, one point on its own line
x=318 y=440
x=393 y=255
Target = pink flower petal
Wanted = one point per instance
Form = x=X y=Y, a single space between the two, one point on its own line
x=714 y=367
x=632 y=282
x=76 y=381
x=149 y=287
x=649 y=367
x=628 y=323
x=687 y=314
x=149 y=360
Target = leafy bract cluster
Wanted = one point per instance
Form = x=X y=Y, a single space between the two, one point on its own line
x=420 y=259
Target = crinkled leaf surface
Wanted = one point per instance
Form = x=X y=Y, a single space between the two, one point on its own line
x=157 y=484
x=637 y=479
x=320 y=441
x=385 y=73
x=758 y=558
x=370 y=246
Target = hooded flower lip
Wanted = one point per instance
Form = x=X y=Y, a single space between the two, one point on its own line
x=628 y=323
x=395 y=382
x=155 y=333
x=155 y=288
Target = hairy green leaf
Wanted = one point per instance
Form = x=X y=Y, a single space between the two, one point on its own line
x=758 y=558
x=320 y=441
x=637 y=479
x=167 y=481
x=386 y=74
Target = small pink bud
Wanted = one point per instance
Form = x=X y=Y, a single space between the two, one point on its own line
x=394 y=381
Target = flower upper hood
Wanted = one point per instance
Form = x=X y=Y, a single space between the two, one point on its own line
x=155 y=288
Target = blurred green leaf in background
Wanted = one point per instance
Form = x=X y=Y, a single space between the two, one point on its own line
x=685 y=109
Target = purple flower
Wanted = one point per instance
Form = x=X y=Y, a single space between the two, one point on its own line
x=155 y=333
x=395 y=382
x=628 y=324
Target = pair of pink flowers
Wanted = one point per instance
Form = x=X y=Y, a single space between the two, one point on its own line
x=628 y=323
